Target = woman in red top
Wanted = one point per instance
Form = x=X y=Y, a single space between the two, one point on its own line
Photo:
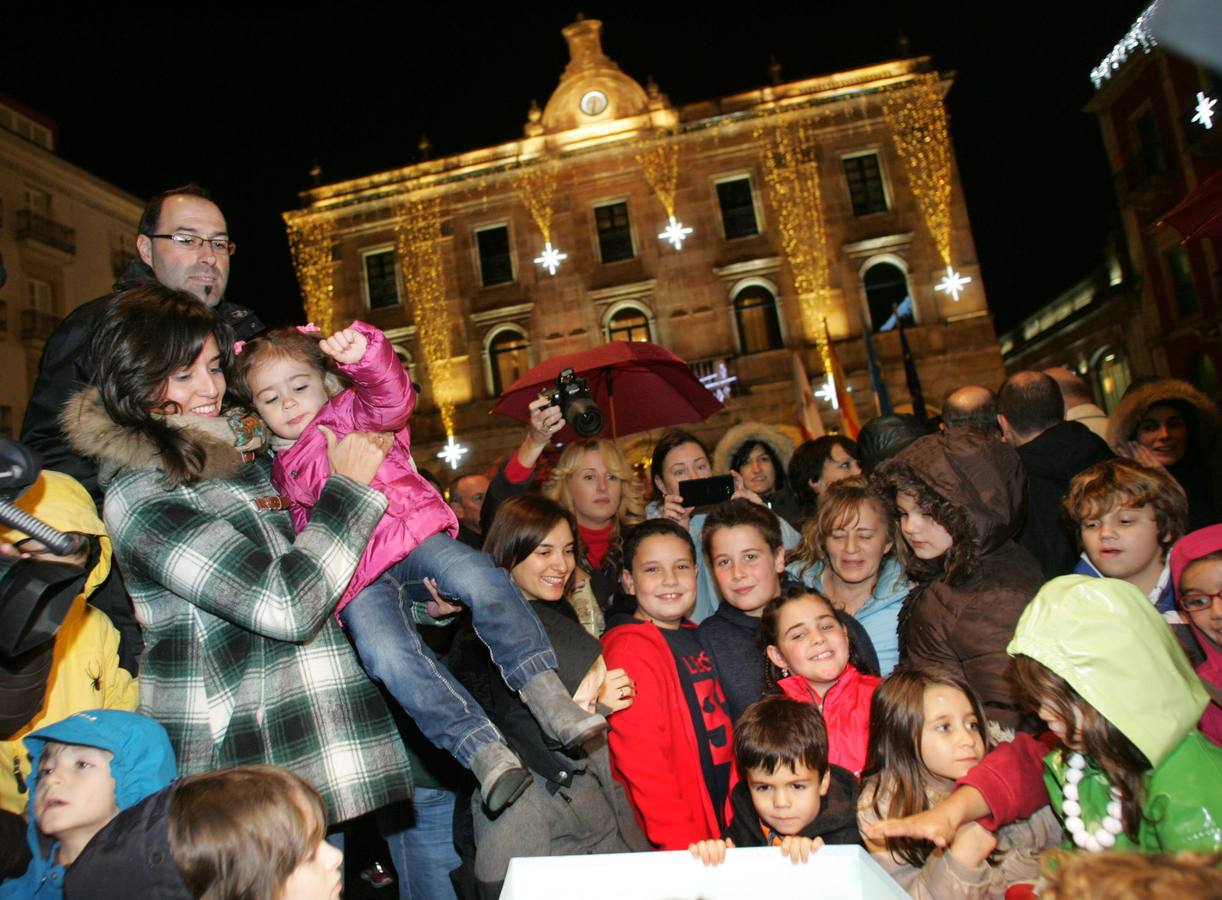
x=811 y=659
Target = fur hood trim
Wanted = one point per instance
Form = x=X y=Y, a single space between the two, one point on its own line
x=748 y=432
x=92 y=432
x=1133 y=405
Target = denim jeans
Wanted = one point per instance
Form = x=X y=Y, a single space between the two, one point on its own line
x=379 y=621
x=420 y=836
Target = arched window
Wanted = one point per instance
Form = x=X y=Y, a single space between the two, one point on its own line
x=886 y=289
x=628 y=323
x=759 y=327
x=405 y=360
x=508 y=358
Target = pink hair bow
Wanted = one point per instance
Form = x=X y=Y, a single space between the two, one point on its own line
x=238 y=347
x=311 y=328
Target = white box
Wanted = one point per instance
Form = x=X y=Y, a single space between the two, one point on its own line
x=755 y=872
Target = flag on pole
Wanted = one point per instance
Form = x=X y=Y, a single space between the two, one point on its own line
x=881 y=394
x=808 y=410
x=848 y=413
x=910 y=373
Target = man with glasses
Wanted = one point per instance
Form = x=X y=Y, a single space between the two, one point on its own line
x=183 y=242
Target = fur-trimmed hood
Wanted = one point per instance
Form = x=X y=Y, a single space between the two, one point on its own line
x=92 y=432
x=1128 y=412
x=749 y=432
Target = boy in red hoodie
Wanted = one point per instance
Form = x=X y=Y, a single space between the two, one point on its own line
x=672 y=748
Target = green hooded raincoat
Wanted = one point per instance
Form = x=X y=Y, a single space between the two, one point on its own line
x=1107 y=640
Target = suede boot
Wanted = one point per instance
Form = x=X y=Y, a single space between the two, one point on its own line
x=560 y=718
x=502 y=777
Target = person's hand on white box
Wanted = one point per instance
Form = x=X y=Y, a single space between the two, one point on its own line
x=711 y=852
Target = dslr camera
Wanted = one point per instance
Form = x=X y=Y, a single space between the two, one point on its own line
x=572 y=396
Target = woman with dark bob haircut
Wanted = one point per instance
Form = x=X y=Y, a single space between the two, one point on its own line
x=818 y=464
x=573 y=805
x=236 y=610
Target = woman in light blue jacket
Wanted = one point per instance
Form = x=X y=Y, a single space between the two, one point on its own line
x=846 y=555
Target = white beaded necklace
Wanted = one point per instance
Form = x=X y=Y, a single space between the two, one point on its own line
x=1102 y=837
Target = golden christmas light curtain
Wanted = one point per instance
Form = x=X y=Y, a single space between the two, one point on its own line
x=791 y=171
x=419 y=249
x=660 y=160
x=917 y=118
x=536 y=185
x=310 y=243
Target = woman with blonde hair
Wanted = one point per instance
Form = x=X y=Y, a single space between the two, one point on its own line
x=594 y=482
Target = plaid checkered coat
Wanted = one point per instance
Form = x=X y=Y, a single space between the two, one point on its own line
x=243 y=661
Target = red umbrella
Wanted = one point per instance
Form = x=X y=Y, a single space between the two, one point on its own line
x=1200 y=213
x=636 y=384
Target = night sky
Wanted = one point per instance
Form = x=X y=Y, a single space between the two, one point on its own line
x=245 y=102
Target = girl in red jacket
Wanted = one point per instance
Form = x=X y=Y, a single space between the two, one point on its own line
x=810 y=658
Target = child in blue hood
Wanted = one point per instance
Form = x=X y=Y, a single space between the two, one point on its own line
x=84 y=770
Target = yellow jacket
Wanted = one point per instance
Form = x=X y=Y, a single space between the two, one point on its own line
x=85 y=671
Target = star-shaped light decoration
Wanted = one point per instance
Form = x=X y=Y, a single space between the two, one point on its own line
x=1205 y=110
x=952 y=283
x=550 y=258
x=452 y=452
x=827 y=391
x=675 y=232
x=718 y=382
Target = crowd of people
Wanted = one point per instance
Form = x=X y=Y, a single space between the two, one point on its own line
x=967 y=648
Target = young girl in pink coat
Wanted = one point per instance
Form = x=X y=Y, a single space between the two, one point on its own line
x=284 y=376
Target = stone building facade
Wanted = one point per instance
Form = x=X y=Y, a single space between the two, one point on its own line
x=65 y=236
x=1146 y=103
x=727 y=297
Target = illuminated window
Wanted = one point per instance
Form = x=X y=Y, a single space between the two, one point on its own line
x=737 y=208
x=759 y=327
x=865 y=180
x=628 y=324
x=381 y=279
x=1112 y=373
x=508 y=358
x=614 y=232
x=495 y=260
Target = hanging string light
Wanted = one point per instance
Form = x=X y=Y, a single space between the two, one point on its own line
x=536 y=185
x=418 y=230
x=310 y=243
x=660 y=160
x=791 y=171
x=917 y=118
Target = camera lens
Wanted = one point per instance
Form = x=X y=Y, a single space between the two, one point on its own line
x=584 y=416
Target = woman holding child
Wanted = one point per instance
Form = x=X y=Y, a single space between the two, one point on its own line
x=244 y=661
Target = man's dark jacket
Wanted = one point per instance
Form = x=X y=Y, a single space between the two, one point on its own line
x=64 y=370
x=1051 y=461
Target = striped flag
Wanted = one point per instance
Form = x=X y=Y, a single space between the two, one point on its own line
x=808 y=410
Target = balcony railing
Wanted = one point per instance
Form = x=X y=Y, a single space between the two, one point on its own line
x=37 y=326
x=718 y=375
x=37 y=227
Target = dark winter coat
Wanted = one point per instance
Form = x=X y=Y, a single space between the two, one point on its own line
x=64 y=369
x=967 y=624
x=1051 y=461
x=836 y=822
x=130 y=857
